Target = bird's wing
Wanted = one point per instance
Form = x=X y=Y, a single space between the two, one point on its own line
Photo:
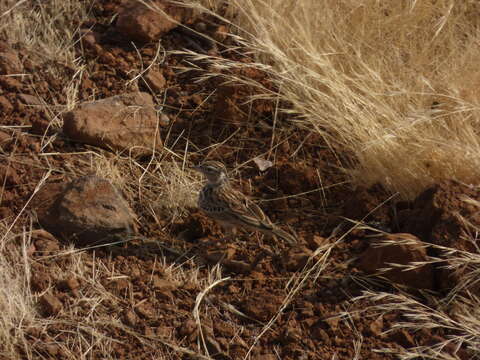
x=242 y=209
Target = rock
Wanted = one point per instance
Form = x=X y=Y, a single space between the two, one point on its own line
x=436 y=212
x=155 y=81
x=9 y=61
x=123 y=123
x=377 y=257
x=189 y=329
x=141 y=23
x=45 y=243
x=376 y=327
x=69 y=284
x=89 y=210
x=39 y=281
x=130 y=318
x=50 y=305
x=444 y=216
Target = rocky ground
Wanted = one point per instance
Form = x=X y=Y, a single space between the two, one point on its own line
x=167 y=287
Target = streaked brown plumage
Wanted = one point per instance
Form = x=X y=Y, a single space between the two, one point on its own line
x=229 y=207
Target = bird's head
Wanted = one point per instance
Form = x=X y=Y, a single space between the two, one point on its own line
x=214 y=171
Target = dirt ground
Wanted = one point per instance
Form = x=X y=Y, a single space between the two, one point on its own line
x=300 y=303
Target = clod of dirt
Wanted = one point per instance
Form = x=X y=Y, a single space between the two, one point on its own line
x=262 y=307
x=163 y=286
x=402 y=249
x=155 y=81
x=30 y=100
x=50 y=305
x=123 y=122
x=39 y=281
x=5 y=105
x=140 y=23
x=297 y=258
x=8 y=176
x=130 y=318
x=89 y=211
x=9 y=61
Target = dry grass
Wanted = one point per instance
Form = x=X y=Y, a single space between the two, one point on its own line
x=392 y=84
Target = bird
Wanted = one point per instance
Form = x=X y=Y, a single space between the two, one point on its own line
x=231 y=208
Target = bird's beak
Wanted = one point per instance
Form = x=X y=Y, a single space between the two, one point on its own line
x=196 y=167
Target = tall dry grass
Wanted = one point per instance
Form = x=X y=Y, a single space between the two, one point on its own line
x=390 y=85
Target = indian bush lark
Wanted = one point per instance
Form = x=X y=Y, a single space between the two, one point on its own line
x=230 y=208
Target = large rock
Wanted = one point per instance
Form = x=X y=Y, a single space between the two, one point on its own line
x=402 y=249
x=141 y=23
x=89 y=210
x=124 y=122
x=447 y=215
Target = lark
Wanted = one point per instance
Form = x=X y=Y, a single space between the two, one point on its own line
x=231 y=208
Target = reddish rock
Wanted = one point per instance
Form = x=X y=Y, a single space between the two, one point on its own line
x=89 y=210
x=155 y=81
x=130 y=318
x=377 y=257
x=39 y=281
x=442 y=215
x=123 y=123
x=50 y=305
x=45 y=243
x=142 y=23
x=69 y=284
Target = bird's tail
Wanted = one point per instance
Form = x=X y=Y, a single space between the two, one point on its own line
x=292 y=240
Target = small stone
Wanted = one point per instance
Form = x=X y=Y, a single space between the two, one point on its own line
x=50 y=304
x=130 y=318
x=332 y=322
x=155 y=81
x=145 y=311
x=188 y=328
x=376 y=327
x=164 y=120
x=69 y=284
x=39 y=281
